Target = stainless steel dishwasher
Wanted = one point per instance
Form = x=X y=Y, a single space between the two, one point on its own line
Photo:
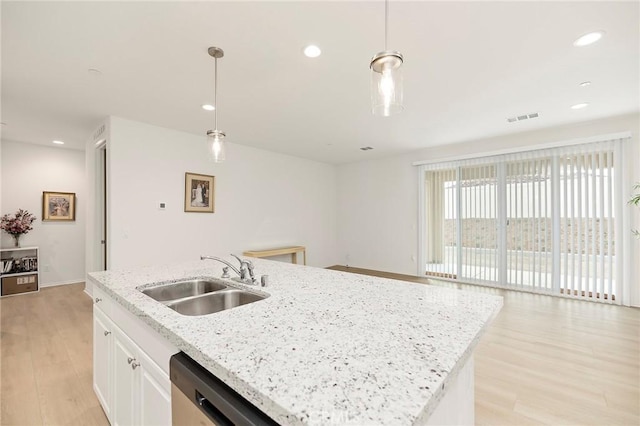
x=200 y=398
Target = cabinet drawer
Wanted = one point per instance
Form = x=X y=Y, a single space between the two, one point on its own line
x=102 y=300
x=20 y=284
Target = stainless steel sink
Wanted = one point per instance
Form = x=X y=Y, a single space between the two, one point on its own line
x=201 y=296
x=182 y=289
x=214 y=302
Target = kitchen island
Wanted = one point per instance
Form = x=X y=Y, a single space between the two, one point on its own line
x=325 y=347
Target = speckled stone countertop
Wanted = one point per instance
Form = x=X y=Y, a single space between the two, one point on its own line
x=326 y=346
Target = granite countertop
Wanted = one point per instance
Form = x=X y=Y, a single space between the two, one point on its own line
x=326 y=345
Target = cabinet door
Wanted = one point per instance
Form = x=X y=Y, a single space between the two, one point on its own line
x=126 y=381
x=155 y=393
x=102 y=357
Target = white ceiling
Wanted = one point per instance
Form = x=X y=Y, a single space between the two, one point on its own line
x=468 y=66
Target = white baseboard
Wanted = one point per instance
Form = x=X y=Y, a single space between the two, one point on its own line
x=57 y=283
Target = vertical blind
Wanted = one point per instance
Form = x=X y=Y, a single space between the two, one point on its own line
x=441 y=248
x=542 y=221
x=529 y=223
x=588 y=233
x=478 y=223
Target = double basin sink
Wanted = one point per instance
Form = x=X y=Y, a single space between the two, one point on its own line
x=201 y=296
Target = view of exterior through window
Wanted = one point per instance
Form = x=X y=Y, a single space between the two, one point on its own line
x=542 y=221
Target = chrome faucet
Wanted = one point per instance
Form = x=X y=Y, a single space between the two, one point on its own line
x=245 y=267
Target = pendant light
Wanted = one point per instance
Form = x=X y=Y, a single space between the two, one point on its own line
x=386 y=77
x=215 y=137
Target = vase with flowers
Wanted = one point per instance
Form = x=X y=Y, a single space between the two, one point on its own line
x=17 y=224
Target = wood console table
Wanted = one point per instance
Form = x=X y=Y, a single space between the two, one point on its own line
x=293 y=251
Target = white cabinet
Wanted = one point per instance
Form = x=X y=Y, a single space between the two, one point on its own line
x=102 y=349
x=125 y=377
x=155 y=397
x=130 y=385
x=141 y=388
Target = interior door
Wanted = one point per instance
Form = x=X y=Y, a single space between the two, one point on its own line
x=101 y=206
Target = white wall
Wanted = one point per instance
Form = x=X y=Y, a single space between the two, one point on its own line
x=262 y=199
x=27 y=171
x=378 y=199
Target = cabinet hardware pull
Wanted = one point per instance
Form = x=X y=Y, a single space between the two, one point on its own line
x=106 y=333
x=134 y=365
x=130 y=360
x=98 y=299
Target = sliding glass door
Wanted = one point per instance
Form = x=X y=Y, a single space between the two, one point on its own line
x=542 y=221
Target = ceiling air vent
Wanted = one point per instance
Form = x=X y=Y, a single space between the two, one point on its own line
x=99 y=132
x=366 y=148
x=522 y=117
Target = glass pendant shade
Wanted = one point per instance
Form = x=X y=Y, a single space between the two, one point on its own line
x=386 y=83
x=217 y=146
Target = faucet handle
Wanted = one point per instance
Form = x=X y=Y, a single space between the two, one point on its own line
x=243 y=267
x=244 y=263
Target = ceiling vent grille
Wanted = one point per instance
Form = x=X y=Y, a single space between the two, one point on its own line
x=366 y=148
x=523 y=117
x=99 y=132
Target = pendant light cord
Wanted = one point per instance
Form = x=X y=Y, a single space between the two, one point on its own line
x=215 y=95
x=386 y=23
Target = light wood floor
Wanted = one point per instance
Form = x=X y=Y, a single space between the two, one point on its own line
x=555 y=361
x=544 y=360
x=46 y=359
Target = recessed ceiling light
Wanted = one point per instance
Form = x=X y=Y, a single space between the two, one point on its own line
x=585 y=84
x=588 y=38
x=208 y=107
x=58 y=142
x=580 y=106
x=312 y=51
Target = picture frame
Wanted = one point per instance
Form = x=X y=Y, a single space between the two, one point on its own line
x=58 y=206
x=199 y=193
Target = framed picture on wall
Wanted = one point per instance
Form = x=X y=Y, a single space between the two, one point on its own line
x=58 y=206
x=199 y=193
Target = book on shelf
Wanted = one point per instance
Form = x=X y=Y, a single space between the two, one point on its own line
x=24 y=264
x=6 y=266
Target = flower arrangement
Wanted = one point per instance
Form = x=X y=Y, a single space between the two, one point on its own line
x=17 y=224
